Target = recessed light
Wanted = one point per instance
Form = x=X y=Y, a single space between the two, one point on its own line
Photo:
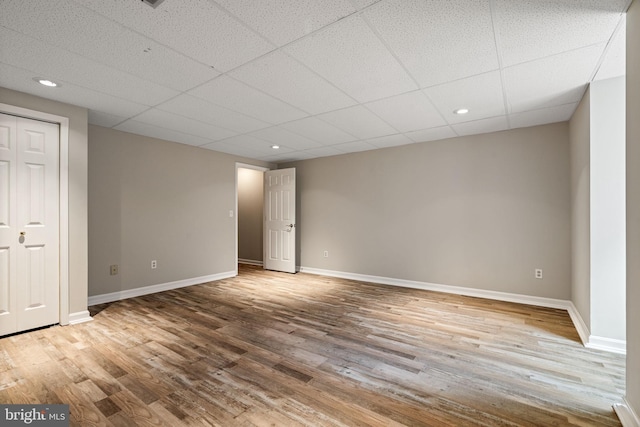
x=275 y=147
x=46 y=82
x=461 y=111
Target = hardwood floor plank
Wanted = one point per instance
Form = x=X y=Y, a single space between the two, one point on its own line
x=268 y=348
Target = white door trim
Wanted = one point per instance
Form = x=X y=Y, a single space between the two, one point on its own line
x=63 y=122
x=240 y=165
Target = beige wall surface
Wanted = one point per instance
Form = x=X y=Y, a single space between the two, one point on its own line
x=633 y=207
x=580 y=134
x=77 y=187
x=250 y=201
x=481 y=211
x=151 y=199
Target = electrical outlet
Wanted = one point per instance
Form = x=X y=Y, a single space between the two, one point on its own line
x=538 y=273
x=154 y=264
x=326 y=254
x=113 y=269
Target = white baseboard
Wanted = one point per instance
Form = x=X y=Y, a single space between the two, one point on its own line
x=79 y=317
x=580 y=325
x=152 y=289
x=607 y=344
x=458 y=290
x=628 y=417
x=249 y=262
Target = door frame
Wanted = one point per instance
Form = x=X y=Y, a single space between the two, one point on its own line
x=240 y=165
x=63 y=123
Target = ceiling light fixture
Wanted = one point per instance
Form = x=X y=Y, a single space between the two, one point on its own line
x=275 y=147
x=461 y=111
x=46 y=82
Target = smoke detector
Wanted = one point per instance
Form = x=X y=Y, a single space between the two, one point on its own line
x=152 y=3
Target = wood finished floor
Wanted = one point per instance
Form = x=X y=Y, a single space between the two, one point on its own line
x=269 y=348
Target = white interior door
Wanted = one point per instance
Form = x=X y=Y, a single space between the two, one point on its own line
x=280 y=220
x=29 y=224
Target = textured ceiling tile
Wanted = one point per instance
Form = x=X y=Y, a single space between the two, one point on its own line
x=249 y=143
x=438 y=41
x=284 y=21
x=433 y=134
x=354 y=146
x=319 y=131
x=70 y=26
x=280 y=136
x=560 y=113
x=481 y=94
x=390 y=141
x=197 y=28
x=358 y=121
x=58 y=64
x=279 y=75
x=104 y=119
x=183 y=124
x=350 y=56
x=493 y=124
x=203 y=111
x=407 y=112
x=547 y=82
x=615 y=59
x=21 y=80
x=529 y=30
x=237 y=96
x=318 y=152
x=155 y=131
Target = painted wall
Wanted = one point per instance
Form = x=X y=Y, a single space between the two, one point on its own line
x=608 y=228
x=580 y=141
x=250 y=222
x=481 y=211
x=151 y=199
x=77 y=187
x=633 y=207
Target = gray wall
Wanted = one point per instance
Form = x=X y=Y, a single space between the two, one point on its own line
x=480 y=211
x=633 y=207
x=580 y=134
x=77 y=187
x=151 y=199
x=250 y=201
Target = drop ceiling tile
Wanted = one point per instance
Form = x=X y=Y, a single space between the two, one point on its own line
x=285 y=21
x=390 y=141
x=69 y=26
x=614 y=63
x=237 y=96
x=280 y=136
x=433 y=134
x=284 y=78
x=408 y=112
x=251 y=144
x=529 y=30
x=21 y=80
x=318 y=152
x=481 y=94
x=560 y=113
x=229 y=149
x=438 y=41
x=104 y=119
x=551 y=81
x=198 y=29
x=318 y=131
x=203 y=111
x=58 y=64
x=155 y=131
x=358 y=121
x=354 y=146
x=183 y=124
x=350 y=55
x=493 y=124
